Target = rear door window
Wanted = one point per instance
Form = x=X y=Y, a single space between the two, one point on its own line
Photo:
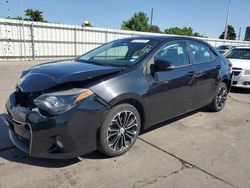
x=201 y=52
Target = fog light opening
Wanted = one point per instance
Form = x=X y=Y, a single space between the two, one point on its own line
x=59 y=144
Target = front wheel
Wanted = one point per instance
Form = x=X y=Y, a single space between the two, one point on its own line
x=220 y=99
x=119 y=130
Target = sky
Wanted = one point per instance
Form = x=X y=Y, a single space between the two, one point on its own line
x=208 y=17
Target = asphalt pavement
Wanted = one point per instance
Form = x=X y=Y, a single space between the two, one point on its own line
x=199 y=149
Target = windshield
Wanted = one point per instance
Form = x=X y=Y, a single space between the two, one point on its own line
x=238 y=54
x=223 y=47
x=125 y=52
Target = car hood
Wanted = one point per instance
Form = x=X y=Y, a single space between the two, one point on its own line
x=48 y=75
x=240 y=63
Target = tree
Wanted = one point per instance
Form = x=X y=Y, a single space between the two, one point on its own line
x=186 y=31
x=154 y=29
x=31 y=15
x=198 y=35
x=15 y=18
x=231 y=35
x=86 y=24
x=139 y=22
x=35 y=15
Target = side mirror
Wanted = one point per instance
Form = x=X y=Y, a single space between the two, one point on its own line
x=162 y=65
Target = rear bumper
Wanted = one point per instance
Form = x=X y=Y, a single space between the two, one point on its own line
x=38 y=136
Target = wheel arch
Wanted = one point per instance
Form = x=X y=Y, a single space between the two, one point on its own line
x=227 y=81
x=138 y=102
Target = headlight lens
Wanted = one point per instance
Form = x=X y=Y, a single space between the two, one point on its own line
x=247 y=72
x=59 y=102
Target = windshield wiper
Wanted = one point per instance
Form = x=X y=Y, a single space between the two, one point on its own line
x=103 y=64
x=93 y=62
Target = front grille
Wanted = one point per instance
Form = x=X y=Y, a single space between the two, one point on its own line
x=22 y=131
x=246 y=83
x=236 y=73
x=235 y=82
x=25 y=99
x=24 y=140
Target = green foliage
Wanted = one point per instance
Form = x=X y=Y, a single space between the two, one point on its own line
x=231 y=35
x=154 y=29
x=87 y=24
x=35 y=15
x=15 y=18
x=31 y=15
x=139 y=22
x=185 y=31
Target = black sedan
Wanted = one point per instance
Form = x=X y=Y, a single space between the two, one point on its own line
x=103 y=99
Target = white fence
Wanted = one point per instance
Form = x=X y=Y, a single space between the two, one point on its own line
x=36 y=40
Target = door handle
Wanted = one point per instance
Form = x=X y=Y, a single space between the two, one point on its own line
x=191 y=74
x=218 y=67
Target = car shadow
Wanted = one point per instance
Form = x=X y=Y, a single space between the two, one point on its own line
x=95 y=155
x=240 y=90
x=168 y=122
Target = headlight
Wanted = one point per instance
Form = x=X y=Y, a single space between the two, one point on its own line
x=59 y=102
x=247 y=72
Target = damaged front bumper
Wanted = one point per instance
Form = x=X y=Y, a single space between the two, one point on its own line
x=64 y=136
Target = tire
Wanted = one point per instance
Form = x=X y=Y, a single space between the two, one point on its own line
x=220 y=98
x=119 y=130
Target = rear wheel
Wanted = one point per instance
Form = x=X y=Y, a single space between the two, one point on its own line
x=220 y=99
x=119 y=130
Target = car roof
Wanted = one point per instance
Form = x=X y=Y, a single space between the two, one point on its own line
x=242 y=47
x=227 y=45
x=164 y=37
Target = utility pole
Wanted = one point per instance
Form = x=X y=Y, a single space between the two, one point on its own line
x=151 y=17
x=23 y=31
x=239 y=34
x=228 y=12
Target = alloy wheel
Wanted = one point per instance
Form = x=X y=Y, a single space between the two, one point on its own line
x=122 y=131
x=221 y=96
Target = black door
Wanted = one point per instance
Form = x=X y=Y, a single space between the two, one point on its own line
x=207 y=66
x=171 y=92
